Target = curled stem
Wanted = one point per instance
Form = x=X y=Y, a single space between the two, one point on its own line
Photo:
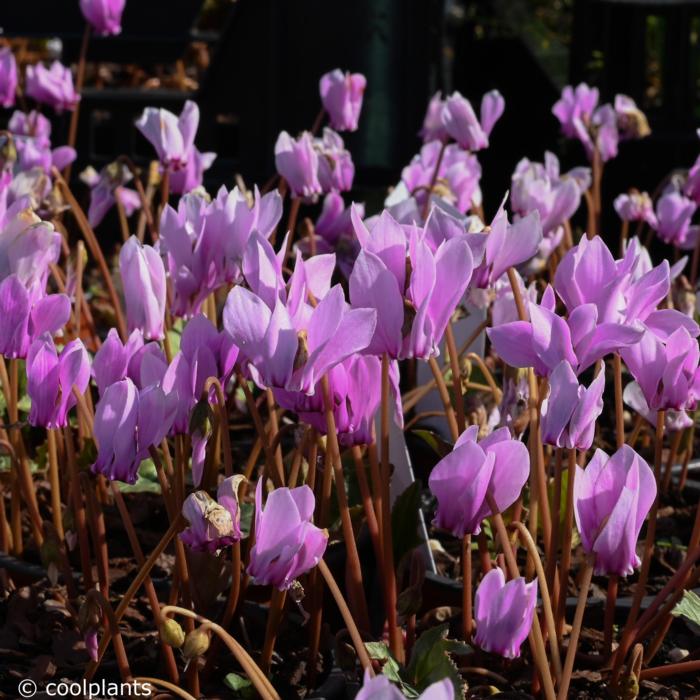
x=257 y=677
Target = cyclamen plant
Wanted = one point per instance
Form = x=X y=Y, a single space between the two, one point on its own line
x=263 y=376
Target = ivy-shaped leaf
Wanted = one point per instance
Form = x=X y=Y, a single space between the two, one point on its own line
x=430 y=661
x=378 y=651
x=688 y=607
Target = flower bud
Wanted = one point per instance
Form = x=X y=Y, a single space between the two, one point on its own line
x=196 y=644
x=171 y=633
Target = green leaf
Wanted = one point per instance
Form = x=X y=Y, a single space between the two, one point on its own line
x=688 y=607
x=430 y=661
x=434 y=441
x=240 y=685
x=404 y=522
x=246 y=518
x=174 y=336
x=378 y=651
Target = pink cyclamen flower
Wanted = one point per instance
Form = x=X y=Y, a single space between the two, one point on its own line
x=287 y=544
x=612 y=497
x=674 y=212
x=341 y=95
x=213 y=524
x=297 y=162
x=547 y=338
x=458 y=175
x=508 y=245
x=104 y=16
x=24 y=316
x=51 y=378
x=433 y=128
x=52 y=86
x=540 y=187
x=8 y=77
x=114 y=360
x=666 y=366
x=28 y=246
x=171 y=136
x=504 y=613
x=497 y=465
x=335 y=167
x=191 y=176
x=278 y=354
x=380 y=687
x=355 y=387
x=143 y=281
x=570 y=410
x=129 y=421
x=605 y=135
x=203 y=243
x=462 y=125
x=575 y=107
x=32 y=137
x=413 y=289
x=31 y=124
x=633 y=396
x=589 y=274
x=105 y=187
x=636 y=206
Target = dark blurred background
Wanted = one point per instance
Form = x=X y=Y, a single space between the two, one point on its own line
x=253 y=66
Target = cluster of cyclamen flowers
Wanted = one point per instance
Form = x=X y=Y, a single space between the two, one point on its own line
x=320 y=351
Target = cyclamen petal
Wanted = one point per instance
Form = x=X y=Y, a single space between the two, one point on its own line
x=504 y=613
x=143 y=279
x=341 y=94
x=287 y=545
x=8 y=77
x=104 y=15
x=612 y=498
x=460 y=481
x=297 y=163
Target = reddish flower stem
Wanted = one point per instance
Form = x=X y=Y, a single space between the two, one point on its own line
x=354 y=567
x=575 y=631
x=467 y=611
x=456 y=377
x=395 y=636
